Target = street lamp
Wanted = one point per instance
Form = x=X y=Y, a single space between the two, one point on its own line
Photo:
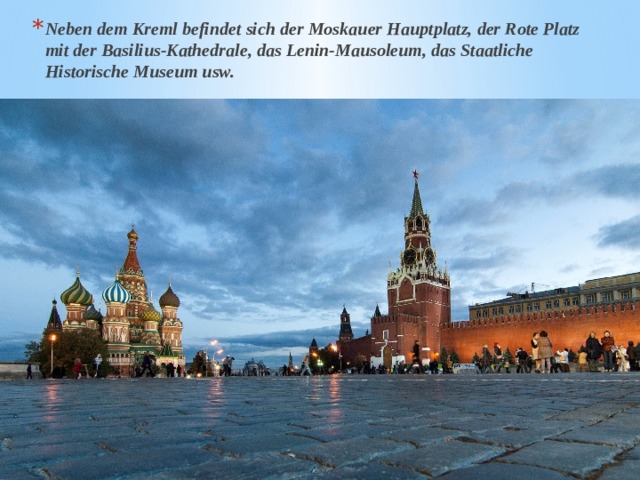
x=52 y=338
x=206 y=357
x=215 y=366
x=335 y=349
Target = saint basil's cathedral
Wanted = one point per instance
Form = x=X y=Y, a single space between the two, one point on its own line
x=131 y=326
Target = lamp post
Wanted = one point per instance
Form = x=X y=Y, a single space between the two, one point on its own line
x=52 y=338
x=212 y=343
x=215 y=366
x=336 y=349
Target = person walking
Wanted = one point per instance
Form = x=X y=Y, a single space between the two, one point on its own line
x=583 y=360
x=29 y=372
x=305 y=369
x=497 y=354
x=535 y=355
x=415 y=366
x=623 y=358
x=77 y=368
x=96 y=363
x=633 y=359
x=147 y=366
x=485 y=360
x=545 y=352
x=594 y=350
x=608 y=349
x=563 y=360
x=522 y=358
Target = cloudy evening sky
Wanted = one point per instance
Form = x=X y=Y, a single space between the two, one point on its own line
x=269 y=216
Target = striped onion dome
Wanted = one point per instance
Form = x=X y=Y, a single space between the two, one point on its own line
x=116 y=293
x=169 y=299
x=77 y=294
x=150 y=314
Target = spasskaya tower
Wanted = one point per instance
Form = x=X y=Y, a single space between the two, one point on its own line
x=418 y=294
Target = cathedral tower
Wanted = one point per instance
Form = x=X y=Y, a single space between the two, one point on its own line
x=132 y=278
x=171 y=327
x=54 y=318
x=150 y=340
x=115 y=327
x=76 y=299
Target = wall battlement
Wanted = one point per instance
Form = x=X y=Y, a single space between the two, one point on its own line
x=605 y=310
x=566 y=328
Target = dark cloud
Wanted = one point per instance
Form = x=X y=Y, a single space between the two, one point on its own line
x=617 y=181
x=287 y=339
x=623 y=234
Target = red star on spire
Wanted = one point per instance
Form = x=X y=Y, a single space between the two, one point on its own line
x=38 y=24
x=415 y=174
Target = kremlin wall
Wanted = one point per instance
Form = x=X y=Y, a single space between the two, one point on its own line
x=567 y=329
x=419 y=294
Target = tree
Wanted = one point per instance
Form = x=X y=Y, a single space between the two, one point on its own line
x=84 y=344
x=507 y=357
x=199 y=365
x=454 y=356
x=330 y=360
x=31 y=351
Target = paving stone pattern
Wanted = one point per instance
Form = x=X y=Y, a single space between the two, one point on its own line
x=509 y=426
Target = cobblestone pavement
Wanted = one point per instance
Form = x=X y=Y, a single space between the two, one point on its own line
x=334 y=427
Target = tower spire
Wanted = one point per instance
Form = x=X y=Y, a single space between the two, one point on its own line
x=131 y=263
x=416 y=204
x=54 y=318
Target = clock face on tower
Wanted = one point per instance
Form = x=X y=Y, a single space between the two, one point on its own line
x=430 y=256
x=409 y=256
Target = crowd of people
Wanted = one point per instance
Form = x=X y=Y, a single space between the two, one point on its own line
x=595 y=355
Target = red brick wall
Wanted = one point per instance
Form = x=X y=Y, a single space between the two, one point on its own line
x=570 y=330
x=432 y=305
x=354 y=351
x=403 y=332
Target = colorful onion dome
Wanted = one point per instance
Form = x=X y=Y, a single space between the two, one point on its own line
x=150 y=314
x=76 y=293
x=116 y=293
x=169 y=299
x=93 y=314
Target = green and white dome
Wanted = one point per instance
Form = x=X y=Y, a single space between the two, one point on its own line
x=77 y=294
x=116 y=293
